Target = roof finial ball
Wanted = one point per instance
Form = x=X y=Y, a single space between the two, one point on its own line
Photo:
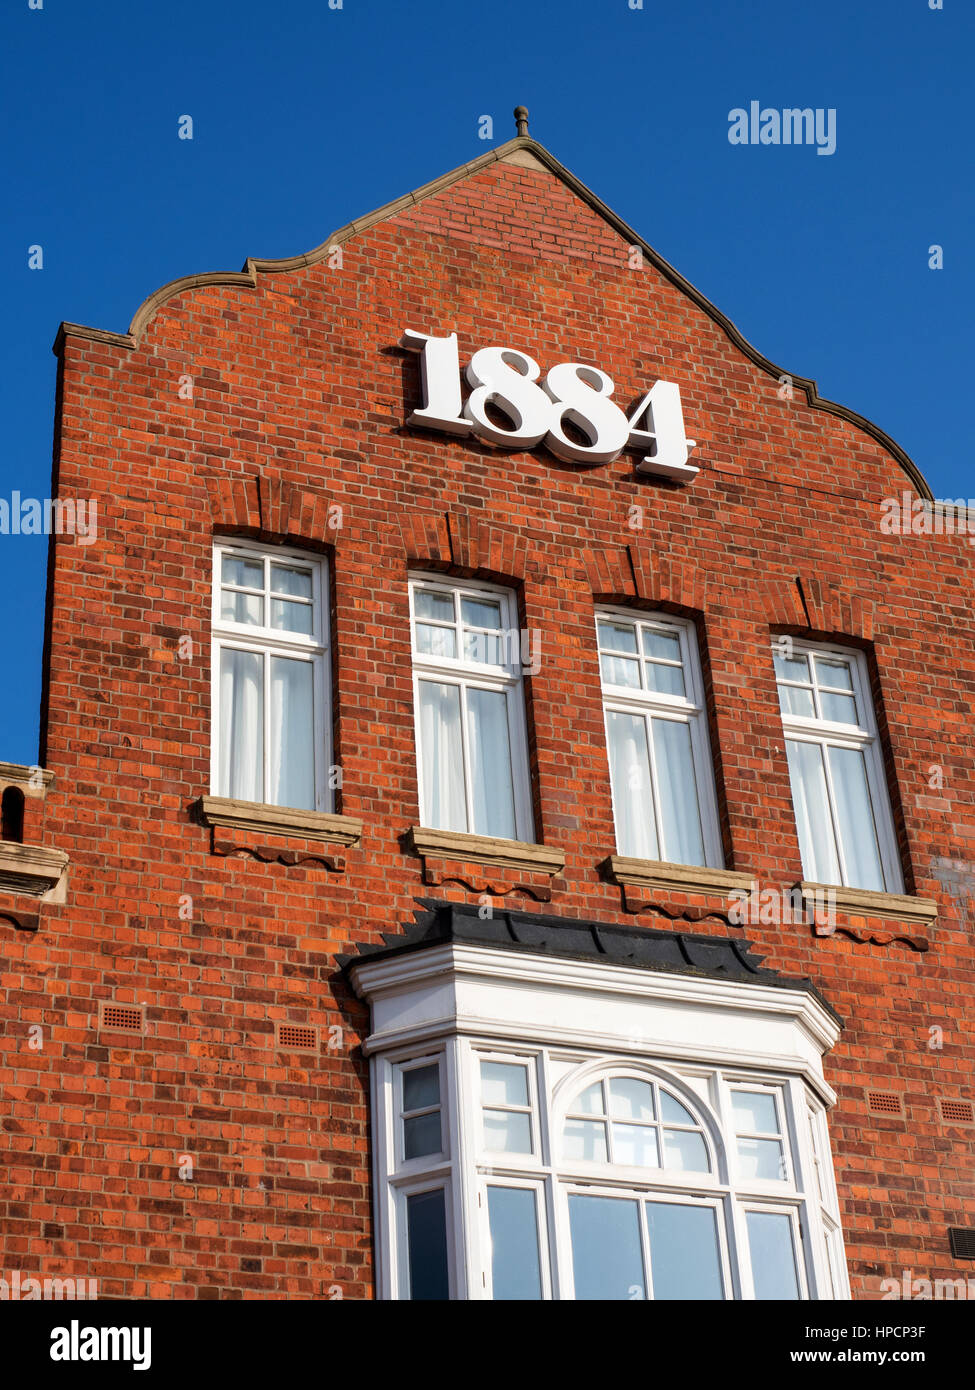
x=521 y=119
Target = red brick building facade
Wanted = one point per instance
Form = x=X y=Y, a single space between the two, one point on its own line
x=181 y=1145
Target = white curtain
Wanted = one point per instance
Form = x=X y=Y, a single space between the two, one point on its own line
x=677 y=792
x=241 y=760
x=441 y=757
x=809 y=798
x=854 y=812
x=292 y=734
x=493 y=796
x=629 y=770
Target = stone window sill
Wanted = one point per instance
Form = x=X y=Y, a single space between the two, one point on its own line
x=858 y=902
x=225 y=813
x=679 y=878
x=30 y=868
x=485 y=849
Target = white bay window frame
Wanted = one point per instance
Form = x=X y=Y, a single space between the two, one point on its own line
x=466 y=676
x=651 y=706
x=862 y=737
x=269 y=642
x=571 y=1023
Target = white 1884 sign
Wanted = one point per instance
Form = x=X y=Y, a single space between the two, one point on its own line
x=571 y=393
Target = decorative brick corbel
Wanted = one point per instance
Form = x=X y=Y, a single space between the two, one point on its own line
x=484 y=864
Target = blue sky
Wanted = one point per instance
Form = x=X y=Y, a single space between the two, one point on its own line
x=305 y=116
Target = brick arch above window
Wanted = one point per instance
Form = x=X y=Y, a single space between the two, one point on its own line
x=813 y=605
x=454 y=540
x=260 y=506
x=638 y=571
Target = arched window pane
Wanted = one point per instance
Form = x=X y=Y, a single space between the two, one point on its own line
x=630 y=1099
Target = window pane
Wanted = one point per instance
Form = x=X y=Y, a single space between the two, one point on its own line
x=589 y=1101
x=762 y=1159
x=291 y=617
x=621 y=670
x=491 y=789
x=241 y=608
x=813 y=823
x=427 y=603
x=507 y=1131
x=617 y=637
x=629 y=767
x=858 y=834
x=441 y=757
x=754 y=1112
x=794 y=699
x=630 y=1099
x=421 y=1087
x=665 y=645
x=677 y=793
x=672 y=1110
x=241 y=760
x=478 y=612
x=840 y=709
x=665 y=680
x=513 y=1218
x=436 y=641
x=426 y=1226
x=504 y=1083
x=292 y=733
x=235 y=569
x=684 y=1257
x=773 y=1255
x=285 y=579
x=585 y=1139
x=490 y=648
x=635 y=1145
x=421 y=1135
x=606 y=1257
x=830 y=671
x=685 y=1150
x=791 y=668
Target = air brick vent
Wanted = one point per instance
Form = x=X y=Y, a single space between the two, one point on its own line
x=962 y=1242
x=122 y=1018
x=884 y=1103
x=297 y=1037
x=956 y=1112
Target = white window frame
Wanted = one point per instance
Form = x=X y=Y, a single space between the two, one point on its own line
x=268 y=642
x=489 y=1178
x=506 y=678
x=814 y=1216
x=865 y=738
x=690 y=709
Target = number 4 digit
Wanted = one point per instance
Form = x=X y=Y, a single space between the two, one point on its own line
x=663 y=435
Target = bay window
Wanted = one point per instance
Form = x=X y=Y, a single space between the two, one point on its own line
x=626 y=1178
x=660 y=765
x=270 y=677
x=601 y=1132
x=469 y=709
x=839 y=793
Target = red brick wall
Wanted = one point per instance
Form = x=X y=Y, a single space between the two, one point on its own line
x=300 y=396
